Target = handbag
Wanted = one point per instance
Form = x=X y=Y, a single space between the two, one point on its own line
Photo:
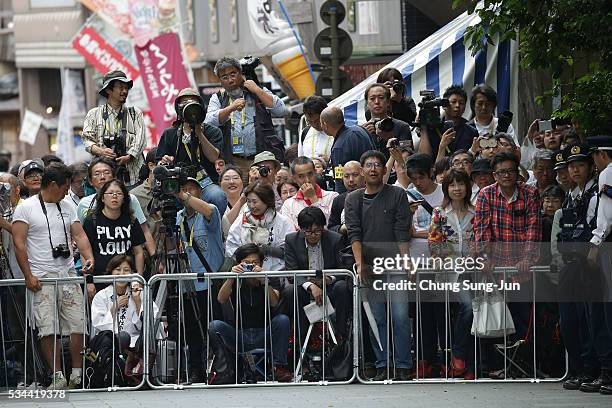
x=489 y=310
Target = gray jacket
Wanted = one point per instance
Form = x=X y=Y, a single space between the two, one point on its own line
x=382 y=225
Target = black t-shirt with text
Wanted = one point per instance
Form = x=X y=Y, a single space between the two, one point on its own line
x=109 y=238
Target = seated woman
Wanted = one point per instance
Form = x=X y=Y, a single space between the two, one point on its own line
x=251 y=306
x=118 y=308
x=261 y=225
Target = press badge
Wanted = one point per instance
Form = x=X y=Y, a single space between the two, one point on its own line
x=237 y=145
x=338 y=172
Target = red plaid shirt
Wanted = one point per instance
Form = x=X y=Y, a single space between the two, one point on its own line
x=513 y=226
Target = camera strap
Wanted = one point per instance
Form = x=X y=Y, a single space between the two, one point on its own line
x=44 y=210
x=195 y=245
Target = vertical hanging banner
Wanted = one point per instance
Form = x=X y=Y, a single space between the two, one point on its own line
x=164 y=75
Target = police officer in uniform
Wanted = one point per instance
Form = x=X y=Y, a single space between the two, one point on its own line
x=571 y=232
x=600 y=253
x=577 y=222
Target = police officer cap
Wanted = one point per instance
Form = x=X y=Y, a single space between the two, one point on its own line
x=576 y=151
x=559 y=160
x=602 y=142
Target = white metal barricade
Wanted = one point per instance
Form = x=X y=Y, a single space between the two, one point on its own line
x=179 y=286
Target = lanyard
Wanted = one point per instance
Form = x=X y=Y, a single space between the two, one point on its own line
x=117 y=121
x=232 y=115
x=184 y=226
x=314 y=137
x=59 y=208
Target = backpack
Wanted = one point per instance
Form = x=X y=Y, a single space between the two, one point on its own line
x=99 y=362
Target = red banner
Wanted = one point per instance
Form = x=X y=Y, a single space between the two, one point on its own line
x=163 y=73
x=101 y=54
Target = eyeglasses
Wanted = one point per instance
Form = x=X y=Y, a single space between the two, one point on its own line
x=102 y=173
x=373 y=165
x=114 y=194
x=317 y=231
x=33 y=176
x=461 y=163
x=232 y=75
x=504 y=173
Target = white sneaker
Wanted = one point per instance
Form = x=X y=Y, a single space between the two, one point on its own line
x=75 y=382
x=58 y=382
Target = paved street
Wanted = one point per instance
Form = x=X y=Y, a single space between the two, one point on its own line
x=354 y=396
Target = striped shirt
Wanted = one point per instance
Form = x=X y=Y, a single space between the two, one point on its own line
x=95 y=127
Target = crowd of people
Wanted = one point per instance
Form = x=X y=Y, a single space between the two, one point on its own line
x=341 y=198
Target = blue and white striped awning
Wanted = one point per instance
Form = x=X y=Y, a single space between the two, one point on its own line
x=442 y=60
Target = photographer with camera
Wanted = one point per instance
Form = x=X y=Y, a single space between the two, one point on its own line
x=243 y=110
x=115 y=131
x=194 y=146
x=42 y=231
x=200 y=226
x=402 y=106
x=440 y=138
x=381 y=126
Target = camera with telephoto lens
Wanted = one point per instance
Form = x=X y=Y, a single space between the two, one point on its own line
x=193 y=113
x=264 y=171
x=61 y=251
x=429 y=115
x=384 y=125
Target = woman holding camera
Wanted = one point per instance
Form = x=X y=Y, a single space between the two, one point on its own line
x=112 y=229
x=118 y=308
x=262 y=225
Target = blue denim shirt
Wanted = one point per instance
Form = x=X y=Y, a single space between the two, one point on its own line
x=207 y=234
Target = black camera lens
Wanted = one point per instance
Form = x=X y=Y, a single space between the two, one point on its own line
x=385 y=125
x=264 y=171
x=194 y=113
x=398 y=86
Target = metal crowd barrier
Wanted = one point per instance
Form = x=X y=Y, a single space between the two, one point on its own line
x=24 y=313
x=506 y=349
x=263 y=370
x=166 y=367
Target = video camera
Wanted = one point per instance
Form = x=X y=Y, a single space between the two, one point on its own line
x=429 y=115
x=168 y=182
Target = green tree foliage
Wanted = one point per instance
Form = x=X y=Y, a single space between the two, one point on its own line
x=570 y=38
